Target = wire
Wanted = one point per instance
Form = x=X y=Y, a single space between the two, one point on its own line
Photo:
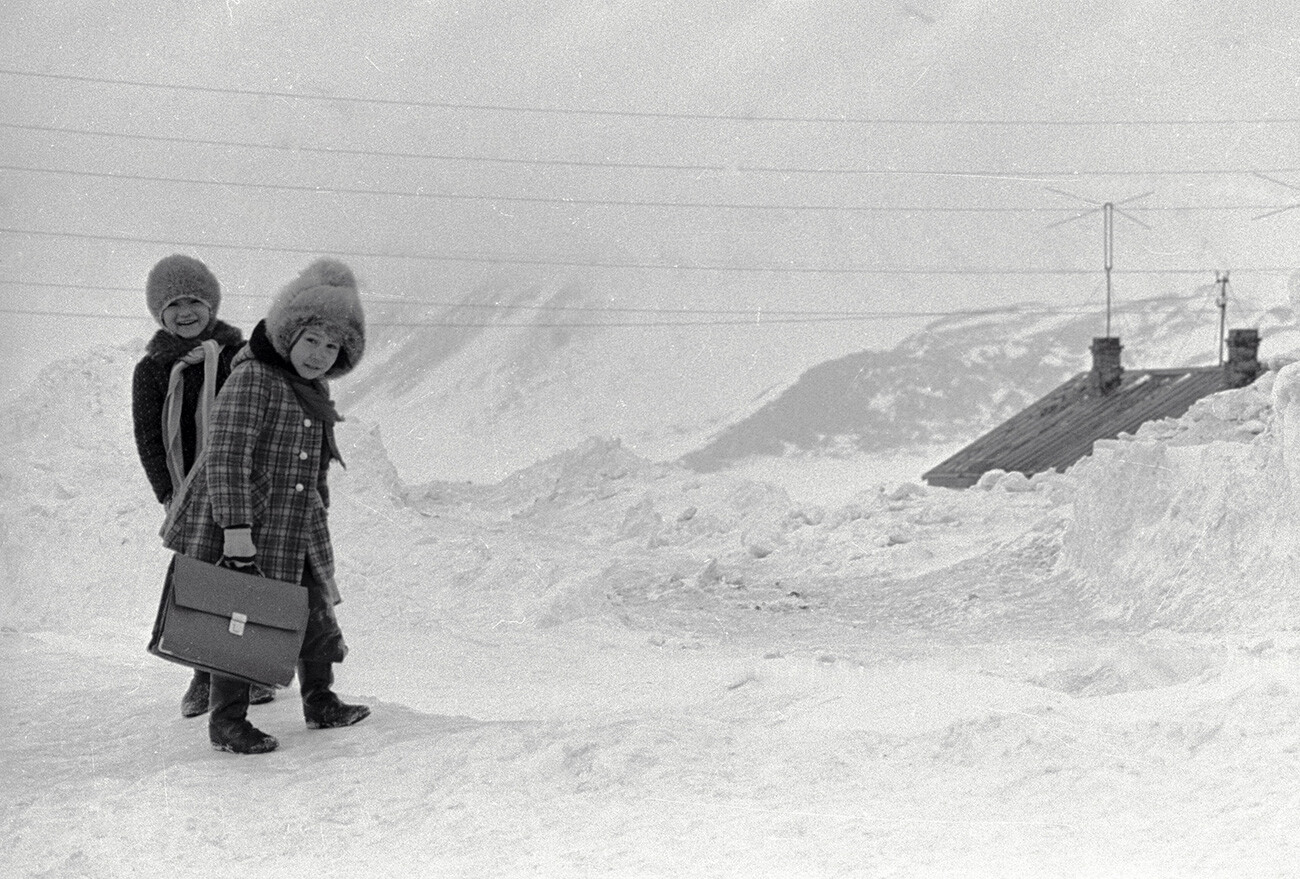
x=568 y=262
x=598 y=202
x=1030 y=175
x=758 y=311
x=563 y=262
x=433 y=303
x=646 y=114
x=759 y=319
x=757 y=322
x=387 y=154
x=606 y=202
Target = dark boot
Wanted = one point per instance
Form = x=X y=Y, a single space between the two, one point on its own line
x=195 y=700
x=320 y=707
x=228 y=726
x=260 y=695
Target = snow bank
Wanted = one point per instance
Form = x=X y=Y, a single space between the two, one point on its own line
x=1187 y=525
x=72 y=495
x=606 y=666
x=1190 y=524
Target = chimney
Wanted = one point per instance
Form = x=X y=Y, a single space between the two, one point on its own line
x=1243 y=365
x=1106 y=371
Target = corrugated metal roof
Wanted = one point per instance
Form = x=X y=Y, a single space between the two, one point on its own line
x=1062 y=427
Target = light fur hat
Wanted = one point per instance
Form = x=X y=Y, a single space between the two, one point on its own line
x=323 y=295
x=180 y=277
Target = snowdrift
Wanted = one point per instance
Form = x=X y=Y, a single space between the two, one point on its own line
x=603 y=665
x=1192 y=523
x=1188 y=524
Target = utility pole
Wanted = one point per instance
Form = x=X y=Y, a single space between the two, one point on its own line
x=1221 y=278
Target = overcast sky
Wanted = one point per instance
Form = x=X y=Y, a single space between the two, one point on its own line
x=790 y=155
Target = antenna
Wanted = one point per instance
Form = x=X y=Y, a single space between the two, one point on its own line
x=1108 y=247
x=1221 y=278
x=1108 y=211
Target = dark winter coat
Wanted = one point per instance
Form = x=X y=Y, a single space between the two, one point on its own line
x=149 y=394
x=265 y=466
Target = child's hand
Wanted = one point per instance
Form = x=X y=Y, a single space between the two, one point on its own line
x=239 y=547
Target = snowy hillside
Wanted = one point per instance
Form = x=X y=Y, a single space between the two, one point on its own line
x=516 y=373
x=605 y=666
x=960 y=377
x=479 y=404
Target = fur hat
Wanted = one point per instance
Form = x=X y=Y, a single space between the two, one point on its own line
x=180 y=277
x=324 y=295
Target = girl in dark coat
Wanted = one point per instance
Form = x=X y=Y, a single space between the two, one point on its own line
x=173 y=387
x=260 y=498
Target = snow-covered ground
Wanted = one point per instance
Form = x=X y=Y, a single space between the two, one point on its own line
x=604 y=666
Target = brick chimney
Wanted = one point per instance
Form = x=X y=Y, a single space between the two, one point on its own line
x=1106 y=371
x=1242 y=366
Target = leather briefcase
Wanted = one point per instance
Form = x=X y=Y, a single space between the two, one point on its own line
x=229 y=622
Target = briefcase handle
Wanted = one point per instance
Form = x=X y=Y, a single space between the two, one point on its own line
x=241 y=567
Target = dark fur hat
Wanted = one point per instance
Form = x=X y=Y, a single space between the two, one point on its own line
x=179 y=277
x=323 y=295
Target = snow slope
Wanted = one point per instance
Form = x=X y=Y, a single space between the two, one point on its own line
x=962 y=376
x=606 y=666
x=482 y=403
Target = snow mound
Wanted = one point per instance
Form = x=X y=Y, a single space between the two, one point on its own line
x=72 y=496
x=597 y=470
x=1190 y=524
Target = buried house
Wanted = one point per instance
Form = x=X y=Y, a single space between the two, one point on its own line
x=1102 y=403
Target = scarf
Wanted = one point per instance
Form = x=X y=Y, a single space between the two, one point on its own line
x=183 y=353
x=167 y=348
x=206 y=353
x=313 y=394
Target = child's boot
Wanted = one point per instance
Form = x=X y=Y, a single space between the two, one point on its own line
x=195 y=700
x=320 y=707
x=228 y=726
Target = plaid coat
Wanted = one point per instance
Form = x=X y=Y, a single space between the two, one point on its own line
x=263 y=467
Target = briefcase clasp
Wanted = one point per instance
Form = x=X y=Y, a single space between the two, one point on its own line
x=237 y=621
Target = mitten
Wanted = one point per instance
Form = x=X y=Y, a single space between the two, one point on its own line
x=239 y=552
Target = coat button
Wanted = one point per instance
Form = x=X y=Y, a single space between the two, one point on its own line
x=306 y=422
x=302 y=456
x=298 y=487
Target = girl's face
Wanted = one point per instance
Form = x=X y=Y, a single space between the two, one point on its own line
x=314 y=353
x=186 y=317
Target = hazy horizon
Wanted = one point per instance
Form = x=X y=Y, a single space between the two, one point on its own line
x=672 y=163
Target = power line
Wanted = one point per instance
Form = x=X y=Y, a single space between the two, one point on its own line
x=574 y=262
x=759 y=321
x=757 y=312
x=756 y=321
x=386 y=154
x=972 y=173
x=648 y=114
x=607 y=202
x=492 y=197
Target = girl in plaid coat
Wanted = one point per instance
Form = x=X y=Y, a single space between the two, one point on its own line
x=172 y=389
x=261 y=499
